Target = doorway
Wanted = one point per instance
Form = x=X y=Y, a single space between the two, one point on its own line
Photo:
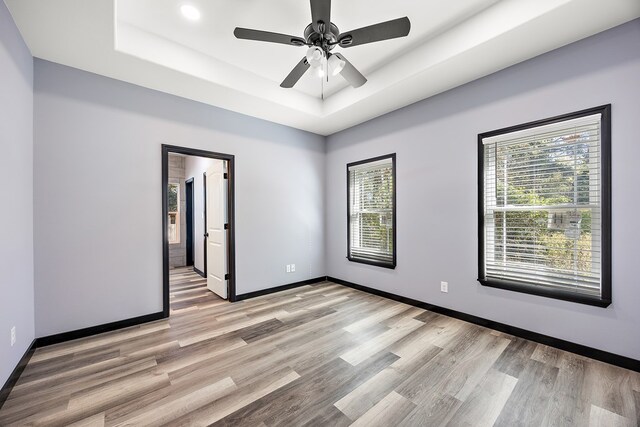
x=217 y=242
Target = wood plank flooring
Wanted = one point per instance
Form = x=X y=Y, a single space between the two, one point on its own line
x=319 y=355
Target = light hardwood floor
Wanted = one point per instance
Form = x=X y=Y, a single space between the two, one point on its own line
x=321 y=355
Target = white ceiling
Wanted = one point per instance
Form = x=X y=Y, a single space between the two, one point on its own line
x=149 y=43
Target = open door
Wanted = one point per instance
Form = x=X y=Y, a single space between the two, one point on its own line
x=216 y=234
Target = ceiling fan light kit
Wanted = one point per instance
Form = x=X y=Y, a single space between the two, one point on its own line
x=336 y=65
x=318 y=71
x=322 y=36
x=315 y=57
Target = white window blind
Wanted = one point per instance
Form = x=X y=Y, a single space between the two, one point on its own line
x=542 y=206
x=371 y=210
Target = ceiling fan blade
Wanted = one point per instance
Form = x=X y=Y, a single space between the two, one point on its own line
x=374 y=33
x=266 y=36
x=351 y=73
x=295 y=74
x=321 y=12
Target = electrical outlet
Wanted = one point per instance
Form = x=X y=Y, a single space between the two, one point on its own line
x=293 y=268
x=444 y=287
x=288 y=268
x=13 y=336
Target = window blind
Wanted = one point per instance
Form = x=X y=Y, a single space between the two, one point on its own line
x=542 y=206
x=371 y=211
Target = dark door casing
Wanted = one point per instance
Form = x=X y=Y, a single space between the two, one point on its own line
x=231 y=241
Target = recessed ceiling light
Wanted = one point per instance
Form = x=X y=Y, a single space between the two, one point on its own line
x=190 y=12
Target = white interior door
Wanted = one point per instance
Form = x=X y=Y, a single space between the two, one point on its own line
x=217 y=235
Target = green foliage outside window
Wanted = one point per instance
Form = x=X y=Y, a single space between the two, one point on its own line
x=172 y=197
x=376 y=205
x=541 y=173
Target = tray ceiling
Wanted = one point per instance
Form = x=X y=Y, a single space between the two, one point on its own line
x=151 y=44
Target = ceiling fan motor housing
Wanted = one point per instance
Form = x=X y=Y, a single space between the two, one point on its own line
x=326 y=41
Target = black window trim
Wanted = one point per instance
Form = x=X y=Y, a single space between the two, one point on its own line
x=391 y=265
x=605 y=145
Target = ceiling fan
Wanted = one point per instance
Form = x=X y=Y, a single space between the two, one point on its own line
x=322 y=36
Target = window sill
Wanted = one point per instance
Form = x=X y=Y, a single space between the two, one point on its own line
x=546 y=292
x=391 y=266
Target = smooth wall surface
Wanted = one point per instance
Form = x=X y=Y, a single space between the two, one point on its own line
x=436 y=145
x=16 y=176
x=98 y=245
x=195 y=167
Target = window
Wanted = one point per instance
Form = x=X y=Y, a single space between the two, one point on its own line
x=545 y=207
x=173 y=197
x=371 y=201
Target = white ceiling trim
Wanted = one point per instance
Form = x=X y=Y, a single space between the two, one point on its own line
x=83 y=35
x=166 y=53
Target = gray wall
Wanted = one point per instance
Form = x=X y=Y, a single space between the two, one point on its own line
x=96 y=180
x=436 y=145
x=194 y=168
x=98 y=246
x=16 y=176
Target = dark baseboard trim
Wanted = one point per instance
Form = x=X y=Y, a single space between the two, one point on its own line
x=94 y=330
x=13 y=378
x=68 y=336
x=200 y=272
x=593 y=353
x=601 y=355
x=280 y=288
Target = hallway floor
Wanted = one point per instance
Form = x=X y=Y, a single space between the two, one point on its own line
x=188 y=290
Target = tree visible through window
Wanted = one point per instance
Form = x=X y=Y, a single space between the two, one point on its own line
x=544 y=220
x=173 y=198
x=371 y=194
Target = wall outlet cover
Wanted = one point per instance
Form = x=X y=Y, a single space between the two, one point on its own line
x=444 y=286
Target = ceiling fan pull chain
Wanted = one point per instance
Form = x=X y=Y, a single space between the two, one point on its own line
x=326 y=68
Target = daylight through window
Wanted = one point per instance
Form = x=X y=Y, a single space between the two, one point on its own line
x=173 y=197
x=371 y=216
x=544 y=213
